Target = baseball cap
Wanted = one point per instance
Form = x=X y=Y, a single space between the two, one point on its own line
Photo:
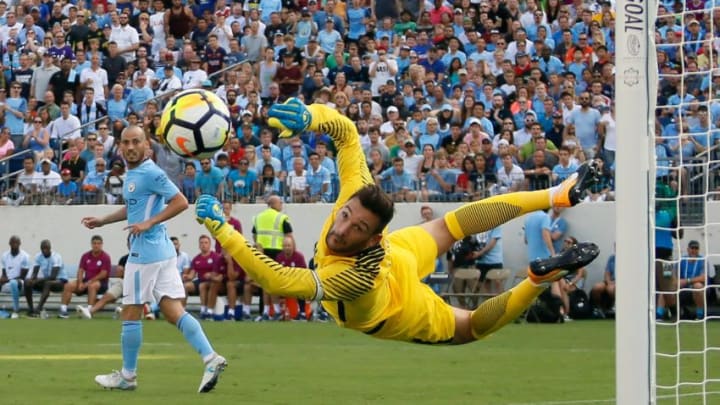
x=474 y=120
x=409 y=141
x=462 y=71
x=694 y=244
x=46 y=160
x=65 y=172
x=279 y=33
x=458 y=11
x=426 y=107
x=305 y=11
x=404 y=48
x=106 y=26
x=392 y=108
x=557 y=114
x=246 y=112
x=446 y=107
x=207 y=83
x=11 y=41
x=329 y=19
x=313 y=38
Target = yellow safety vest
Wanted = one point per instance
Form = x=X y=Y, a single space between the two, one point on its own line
x=269 y=229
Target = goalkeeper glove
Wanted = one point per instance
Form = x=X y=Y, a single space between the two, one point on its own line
x=208 y=211
x=291 y=117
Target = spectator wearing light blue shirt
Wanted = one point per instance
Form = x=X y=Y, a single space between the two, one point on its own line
x=242 y=182
x=398 y=182
x=318 y=180
x=538 y=236
x=268 y=7
x=586 y=120
x=564 y=168
x=490 y=254
x=48 y=275
x=692 y=273
x=328 y=37
x=209 y=180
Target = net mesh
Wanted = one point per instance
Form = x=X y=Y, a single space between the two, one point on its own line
x=687 y=202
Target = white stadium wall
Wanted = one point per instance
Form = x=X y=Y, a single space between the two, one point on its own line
x=593 y=222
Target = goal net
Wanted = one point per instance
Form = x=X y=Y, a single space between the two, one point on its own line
x=668 y=201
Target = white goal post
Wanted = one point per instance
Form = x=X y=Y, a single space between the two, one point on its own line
x=635 y=95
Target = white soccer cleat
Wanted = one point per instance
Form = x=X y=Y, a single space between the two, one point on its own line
x=14 y=315
x=84 y=311
x=115 y=381
x=211 y=374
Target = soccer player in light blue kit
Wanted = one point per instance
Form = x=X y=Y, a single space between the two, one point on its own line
x=151 y=273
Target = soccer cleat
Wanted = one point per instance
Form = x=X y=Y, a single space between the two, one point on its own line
x=570 y=191
x=545 y=271
x=63 y=315
x=115 y=381
x=14 y=315
x=84 y=311
x=212 y=372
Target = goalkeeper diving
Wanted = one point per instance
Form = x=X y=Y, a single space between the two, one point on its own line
x=369 y=279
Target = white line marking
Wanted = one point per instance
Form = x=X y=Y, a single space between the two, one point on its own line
x=612 y=400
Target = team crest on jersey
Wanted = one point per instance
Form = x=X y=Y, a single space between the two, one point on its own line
x=131 y=187
x=99 y=263
x=210 y=261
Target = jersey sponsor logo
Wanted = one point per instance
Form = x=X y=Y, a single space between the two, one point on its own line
x=131 y=187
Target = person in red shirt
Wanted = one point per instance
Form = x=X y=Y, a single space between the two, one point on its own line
x=289 y=76
x=234 y=280
x=292 y=258
x=207 y=266
x=92 y=276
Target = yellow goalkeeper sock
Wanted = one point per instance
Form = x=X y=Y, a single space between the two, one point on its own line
x=498 y=311
x=486 y=214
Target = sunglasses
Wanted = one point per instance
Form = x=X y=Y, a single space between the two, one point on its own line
x=37 y=122
x=92 y=139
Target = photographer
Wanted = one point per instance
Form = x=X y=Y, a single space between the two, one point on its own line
x=463 y=254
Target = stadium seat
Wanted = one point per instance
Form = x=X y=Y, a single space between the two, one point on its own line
x=469 y=279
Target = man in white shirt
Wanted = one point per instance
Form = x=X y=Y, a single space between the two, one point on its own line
x=194 y=77
x=15 y=264
x=97 y=78
x=510 y=177
x=66 y=126
x=11 y=24
x=126 y=37
x=169 y=83
x=47 y=181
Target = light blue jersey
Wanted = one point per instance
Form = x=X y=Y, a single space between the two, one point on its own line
x=494 y=255
x=535 y=224
x=145 y=191
x=46 y=264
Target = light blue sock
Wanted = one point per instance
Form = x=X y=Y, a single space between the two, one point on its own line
x=15 y=291
x=154 y=307
x=194 y=334
x=700 y=313
x=131 y=339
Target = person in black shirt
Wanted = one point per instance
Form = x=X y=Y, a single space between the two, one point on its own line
x=64 y=80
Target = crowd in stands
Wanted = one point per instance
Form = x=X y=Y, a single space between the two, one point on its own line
x=453 y=101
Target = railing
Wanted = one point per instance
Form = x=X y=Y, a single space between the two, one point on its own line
x=156 y=98
x=5 y=162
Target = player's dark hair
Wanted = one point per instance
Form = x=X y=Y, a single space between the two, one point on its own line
x=376 y=201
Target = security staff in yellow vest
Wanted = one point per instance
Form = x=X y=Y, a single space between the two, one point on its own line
x=269 y=229
x=271 y=226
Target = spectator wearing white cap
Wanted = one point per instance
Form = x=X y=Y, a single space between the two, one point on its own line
x=381 y=71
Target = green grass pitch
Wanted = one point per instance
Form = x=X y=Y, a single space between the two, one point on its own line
x=54 y=362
